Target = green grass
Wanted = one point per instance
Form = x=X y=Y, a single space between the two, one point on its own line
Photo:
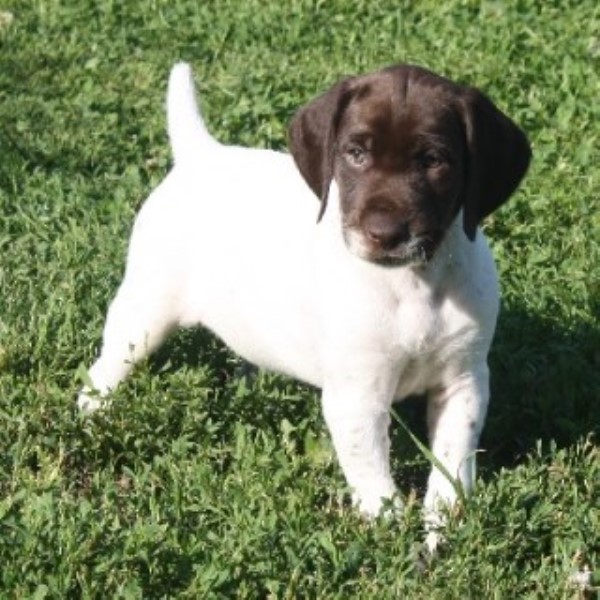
x=201 y=482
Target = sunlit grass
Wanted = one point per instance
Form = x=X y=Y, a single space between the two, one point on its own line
x=203 y=482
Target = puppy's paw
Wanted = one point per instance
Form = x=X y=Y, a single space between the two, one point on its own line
x=372 y=506
x=89 y=402
x=433 y=541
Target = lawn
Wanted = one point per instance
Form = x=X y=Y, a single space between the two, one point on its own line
x=203 y=480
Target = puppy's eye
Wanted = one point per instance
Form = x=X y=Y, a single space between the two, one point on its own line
x=431 y=160
x=356 y=155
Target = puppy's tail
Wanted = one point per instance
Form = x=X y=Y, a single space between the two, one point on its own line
x=187 y=132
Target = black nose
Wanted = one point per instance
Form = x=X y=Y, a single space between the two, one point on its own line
x=384 y=228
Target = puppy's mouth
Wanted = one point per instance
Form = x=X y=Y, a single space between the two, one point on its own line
x=416 y=251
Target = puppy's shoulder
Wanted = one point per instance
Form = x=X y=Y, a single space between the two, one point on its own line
x=470 y=280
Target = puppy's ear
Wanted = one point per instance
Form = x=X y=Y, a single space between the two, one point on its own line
x=498 y=157
x=312 y=138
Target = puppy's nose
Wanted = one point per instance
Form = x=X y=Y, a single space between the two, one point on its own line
x=385 y=229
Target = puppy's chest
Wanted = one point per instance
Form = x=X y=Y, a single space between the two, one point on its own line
x=431 y=340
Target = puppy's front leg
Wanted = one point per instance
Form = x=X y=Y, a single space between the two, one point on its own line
x=358 y=419
x=455 y=416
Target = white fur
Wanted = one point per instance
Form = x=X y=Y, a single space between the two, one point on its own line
x=230 y=240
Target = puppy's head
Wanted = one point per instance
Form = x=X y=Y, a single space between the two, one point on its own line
x=408 y=149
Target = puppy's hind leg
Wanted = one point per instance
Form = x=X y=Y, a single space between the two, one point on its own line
x=138 y=321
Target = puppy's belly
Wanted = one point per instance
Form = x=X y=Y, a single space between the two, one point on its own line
x=260 y=330
x=285 y=353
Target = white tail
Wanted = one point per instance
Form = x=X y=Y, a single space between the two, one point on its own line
x=187 y=131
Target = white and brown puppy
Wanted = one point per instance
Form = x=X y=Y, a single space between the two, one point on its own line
x=392 y=292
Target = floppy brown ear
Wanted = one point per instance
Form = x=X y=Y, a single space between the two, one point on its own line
x=312 y=137
x=498 y=157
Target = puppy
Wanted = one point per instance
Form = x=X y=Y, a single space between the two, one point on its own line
x=392 y=292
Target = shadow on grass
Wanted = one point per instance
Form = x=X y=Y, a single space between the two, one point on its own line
x=545 y=386
x=200 y=392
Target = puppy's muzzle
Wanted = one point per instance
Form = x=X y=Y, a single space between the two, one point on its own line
x=414 y=250
x=384 y=230
x=383 y=236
